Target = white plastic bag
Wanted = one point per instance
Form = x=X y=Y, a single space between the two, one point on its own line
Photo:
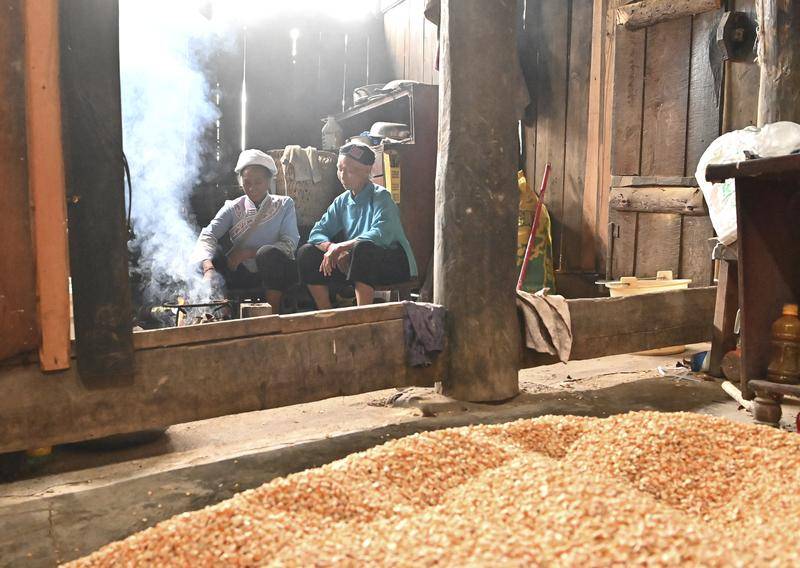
x=776 y=139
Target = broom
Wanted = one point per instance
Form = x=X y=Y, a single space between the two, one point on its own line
x=534 y=226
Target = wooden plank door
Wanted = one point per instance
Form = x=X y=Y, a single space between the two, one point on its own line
x=666 y=111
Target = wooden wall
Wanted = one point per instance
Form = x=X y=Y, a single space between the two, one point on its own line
x=287 y=96
x=556 y=55
x=668 y=92
x=555 y=44
x=666 y=107
x=688 y=97
x=411 y=41
x=606 y=104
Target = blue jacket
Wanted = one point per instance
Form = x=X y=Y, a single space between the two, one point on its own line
x=371 y=216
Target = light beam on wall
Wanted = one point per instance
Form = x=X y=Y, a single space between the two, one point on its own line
x=244 y=91
x=294 y=34
x=249 y=11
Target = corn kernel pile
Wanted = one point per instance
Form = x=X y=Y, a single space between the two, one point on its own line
x=642 y=488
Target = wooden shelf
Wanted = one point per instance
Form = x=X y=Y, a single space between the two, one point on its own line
x=782 y=165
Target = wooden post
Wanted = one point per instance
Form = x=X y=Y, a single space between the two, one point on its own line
x=476 y=198
x=779 y=56
x=595 y=237
x=46 y=181
x=726 y=306
x=92 y=114
x=19 y=327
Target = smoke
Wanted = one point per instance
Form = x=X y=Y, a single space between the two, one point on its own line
x=167 y=108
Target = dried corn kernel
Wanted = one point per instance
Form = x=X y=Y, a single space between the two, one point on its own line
x=642 y=488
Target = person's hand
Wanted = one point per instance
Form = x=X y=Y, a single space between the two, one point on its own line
x=343 y=264
x=331 y=259
x=214 y=281
x=238 y=256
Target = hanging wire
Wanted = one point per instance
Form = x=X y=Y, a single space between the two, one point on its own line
x=131 y=234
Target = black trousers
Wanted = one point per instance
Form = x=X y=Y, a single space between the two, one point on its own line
x=369 y=264
x=276 y=271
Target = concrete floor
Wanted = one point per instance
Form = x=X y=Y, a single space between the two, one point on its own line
x=81 y=498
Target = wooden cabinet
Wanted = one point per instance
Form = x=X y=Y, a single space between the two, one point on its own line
x=767 y=210
x=417 y=106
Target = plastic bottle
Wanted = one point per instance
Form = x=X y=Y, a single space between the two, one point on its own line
x=332 y=134
x=784 y=363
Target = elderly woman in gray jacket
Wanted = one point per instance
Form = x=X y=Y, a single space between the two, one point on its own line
x=263 y=230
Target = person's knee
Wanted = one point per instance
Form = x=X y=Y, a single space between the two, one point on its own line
x=365 y=253
x=366 y=258
x=307 y=254
x=364 y=247
x=268 y=253
x=308 y=260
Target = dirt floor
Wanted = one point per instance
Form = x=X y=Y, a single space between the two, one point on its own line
x=80 y=498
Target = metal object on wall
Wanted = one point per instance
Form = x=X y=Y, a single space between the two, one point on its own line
x=736 y=37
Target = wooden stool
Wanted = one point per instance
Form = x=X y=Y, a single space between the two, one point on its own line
x=723 y=338
x=399 y=292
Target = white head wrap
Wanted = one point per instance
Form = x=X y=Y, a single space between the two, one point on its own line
x=255 y=158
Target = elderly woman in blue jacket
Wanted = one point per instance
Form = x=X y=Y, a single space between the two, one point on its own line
x=263 y=232
x=375 y=250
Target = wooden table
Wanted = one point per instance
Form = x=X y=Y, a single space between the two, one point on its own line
x=768 y=216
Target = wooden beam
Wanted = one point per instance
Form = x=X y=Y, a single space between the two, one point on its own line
x=90 y=83
x=19 y=326
x=650 y=181
x=326 y=319
x=46 y=180
x=477 y=201
x=193 y=382
x=551 y=26
x=579 y=73
x=266 y=325
x=205 y=333
x=639 y=15
x=598 y=134
x=613 y=326
x=683 y=200
x=779 y=56
x=610 y=64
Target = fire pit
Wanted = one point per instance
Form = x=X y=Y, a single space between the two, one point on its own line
x=201 y=312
